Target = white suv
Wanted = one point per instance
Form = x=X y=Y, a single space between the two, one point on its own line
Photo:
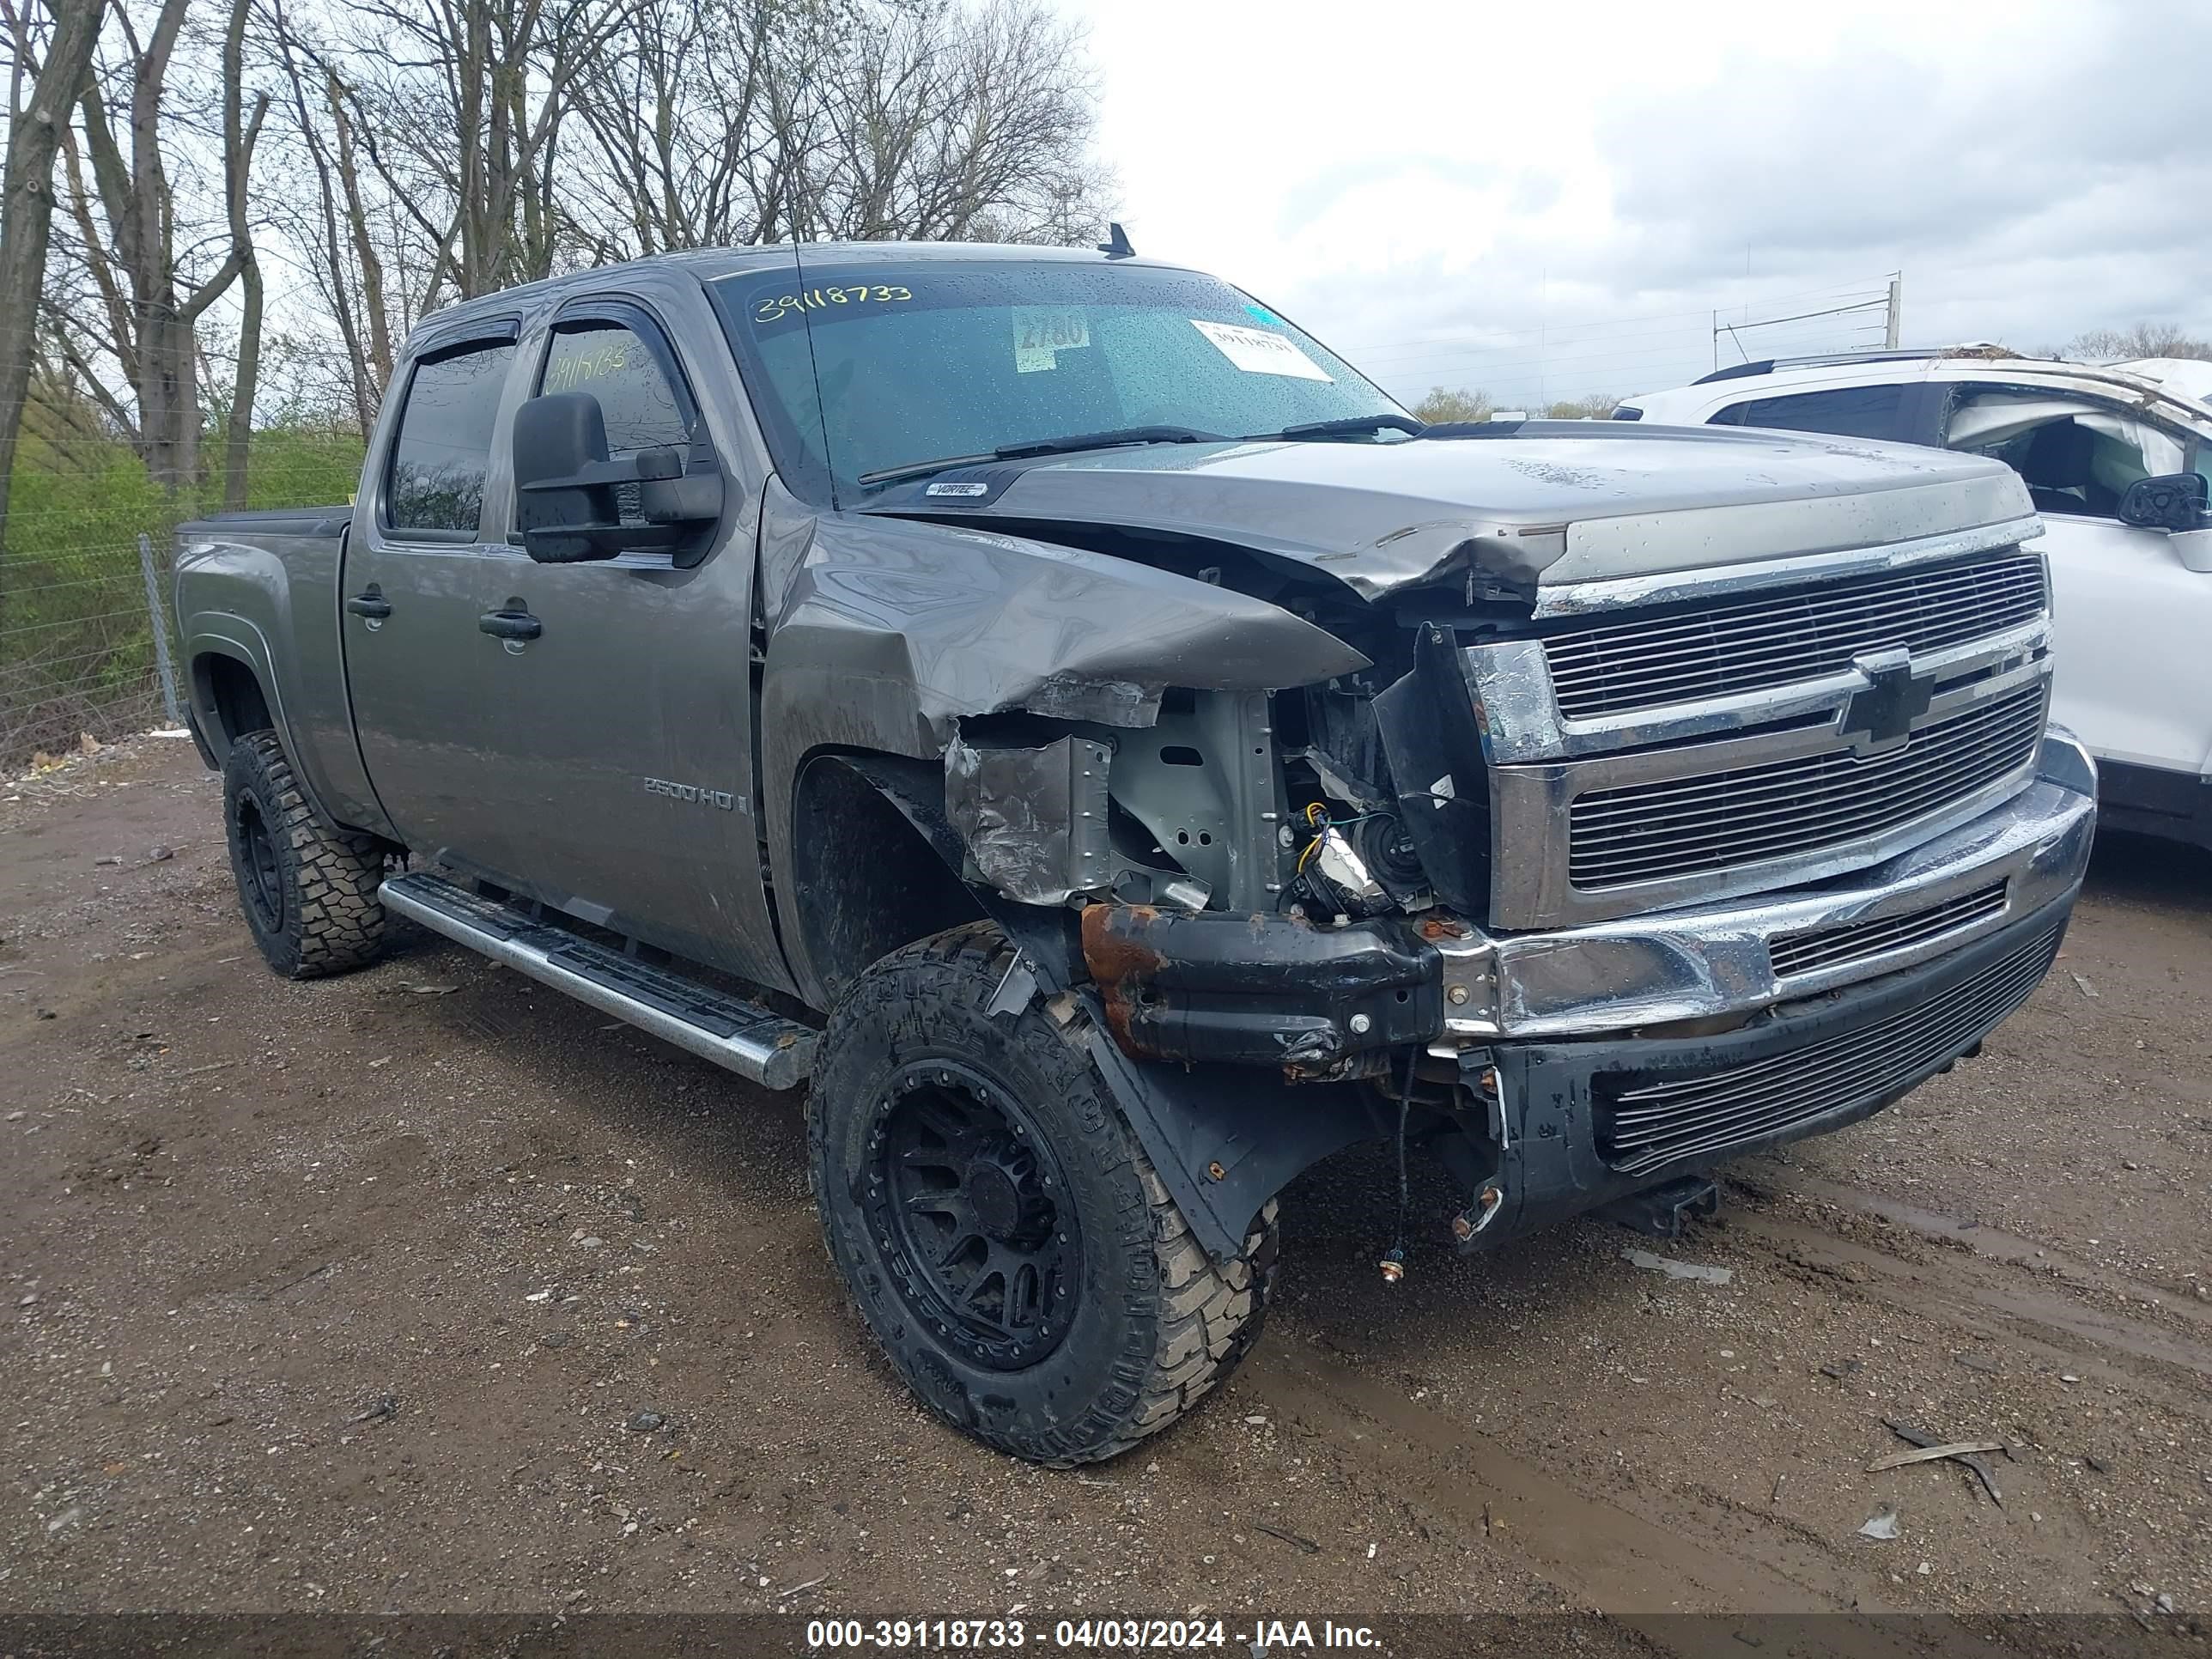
x=2118 y=460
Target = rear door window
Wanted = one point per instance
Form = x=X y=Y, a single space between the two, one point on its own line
x=435 y=480
x=1848 y=411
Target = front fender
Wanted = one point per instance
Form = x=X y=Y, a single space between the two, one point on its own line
x=890 y=632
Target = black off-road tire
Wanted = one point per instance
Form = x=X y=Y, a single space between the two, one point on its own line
x=307 y=888
x=1151 y=1323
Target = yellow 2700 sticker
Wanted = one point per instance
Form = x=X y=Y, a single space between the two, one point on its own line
x=820 y=298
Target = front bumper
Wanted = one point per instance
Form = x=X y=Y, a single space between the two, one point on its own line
x=1575 y=1125
x=1334 y=1002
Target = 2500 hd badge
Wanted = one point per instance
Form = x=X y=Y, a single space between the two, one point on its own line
x=692 y=791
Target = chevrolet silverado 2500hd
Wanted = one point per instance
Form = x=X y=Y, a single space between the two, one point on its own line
x=1057 y=709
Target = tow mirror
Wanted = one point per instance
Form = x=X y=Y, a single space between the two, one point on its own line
x=568 y=491
x=2174 y=502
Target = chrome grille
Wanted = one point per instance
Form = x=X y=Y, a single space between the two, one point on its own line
x=1833 y=947
x=1752 y=644
x=1710 y=821
x=1644 y=1125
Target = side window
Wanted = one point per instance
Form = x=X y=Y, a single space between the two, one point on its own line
x=642 y=410
x=435 y=480
x=1850 y=411
x=2075 y=457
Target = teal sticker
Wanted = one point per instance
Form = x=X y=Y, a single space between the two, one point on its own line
x=1262 y=312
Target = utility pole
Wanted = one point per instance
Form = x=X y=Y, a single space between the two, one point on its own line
x=1896 y=317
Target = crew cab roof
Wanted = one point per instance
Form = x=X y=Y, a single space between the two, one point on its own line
x=705 y=265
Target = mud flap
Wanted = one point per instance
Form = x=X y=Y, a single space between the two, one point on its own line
x=1226 y=1138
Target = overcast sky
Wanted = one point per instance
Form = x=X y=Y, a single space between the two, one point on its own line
x=1550 y=200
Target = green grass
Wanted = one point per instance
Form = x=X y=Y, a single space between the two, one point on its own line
x=76 y=644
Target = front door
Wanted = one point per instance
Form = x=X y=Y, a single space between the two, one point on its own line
x=411 y=595
x=622 y=725
x=2134 y=678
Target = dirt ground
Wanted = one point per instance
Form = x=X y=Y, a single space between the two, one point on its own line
x=425 y=1288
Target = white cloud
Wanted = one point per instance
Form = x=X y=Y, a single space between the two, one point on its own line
x=1554 y=200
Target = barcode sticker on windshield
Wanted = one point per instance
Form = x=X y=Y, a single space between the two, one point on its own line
x=1257 y=351
x=1042 y=332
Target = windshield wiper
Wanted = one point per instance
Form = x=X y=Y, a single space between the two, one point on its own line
x=1349 y=426
x=1116 y=438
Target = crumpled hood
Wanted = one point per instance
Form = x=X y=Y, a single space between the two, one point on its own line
x=1555 y=501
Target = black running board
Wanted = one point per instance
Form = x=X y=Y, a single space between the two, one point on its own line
x=740 y=1036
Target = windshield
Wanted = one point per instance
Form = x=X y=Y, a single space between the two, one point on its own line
x=931 y=359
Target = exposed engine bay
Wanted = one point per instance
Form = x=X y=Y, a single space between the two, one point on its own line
x=1358 y=798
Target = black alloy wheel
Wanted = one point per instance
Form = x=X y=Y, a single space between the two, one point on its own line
x=262 y=876
x=984 y=1244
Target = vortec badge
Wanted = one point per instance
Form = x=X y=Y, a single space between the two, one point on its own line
x=1881 y=716
x=958 y=489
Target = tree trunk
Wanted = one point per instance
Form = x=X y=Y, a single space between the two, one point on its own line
x=238 y=137
x=26 y=218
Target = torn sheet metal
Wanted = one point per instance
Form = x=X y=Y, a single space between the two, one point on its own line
x=1034 y=819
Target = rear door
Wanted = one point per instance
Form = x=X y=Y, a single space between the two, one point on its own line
x=1864 y=410
x=2134 y=675
x=412 y=589
x=621 y=742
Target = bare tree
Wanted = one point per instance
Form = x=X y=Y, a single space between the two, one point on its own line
x=36 y=124
x=736 y=121
x=1441 y=405
x=240 y=133
x=334 y=231
x=1595 y=406
x=948 y=122
x=135 y=253
x=693 y=114
x=2142 y=340
x=457 y=107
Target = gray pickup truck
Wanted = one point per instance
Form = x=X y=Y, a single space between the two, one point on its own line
x=1061 y=712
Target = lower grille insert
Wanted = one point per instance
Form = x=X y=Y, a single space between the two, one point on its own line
x=1644 y=1125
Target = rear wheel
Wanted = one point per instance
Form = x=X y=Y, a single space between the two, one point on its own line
x=1005 y=1237
x=307 y=887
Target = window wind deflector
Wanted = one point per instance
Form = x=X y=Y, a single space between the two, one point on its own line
x=1119 y=437
x=1348 y=426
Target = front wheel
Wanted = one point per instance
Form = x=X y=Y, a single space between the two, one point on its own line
x=1006 y=1238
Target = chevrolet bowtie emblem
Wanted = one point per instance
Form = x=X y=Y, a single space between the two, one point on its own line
x=1881 y=716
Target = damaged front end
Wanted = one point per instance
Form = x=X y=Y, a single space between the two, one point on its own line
x=1585 y=886
x=1368 y=899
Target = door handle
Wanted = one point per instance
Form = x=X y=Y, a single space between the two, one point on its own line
x=371 y=605
x=510 y=624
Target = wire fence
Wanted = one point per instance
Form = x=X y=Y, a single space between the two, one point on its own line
x=86 y=546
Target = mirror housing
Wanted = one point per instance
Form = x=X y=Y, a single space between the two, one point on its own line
x=2174 y=502
x=566 y=504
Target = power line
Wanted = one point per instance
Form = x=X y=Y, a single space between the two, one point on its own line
x=1696 y=312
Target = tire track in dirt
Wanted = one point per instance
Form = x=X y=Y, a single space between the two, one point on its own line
x=2052 y=1330
x=1991 y=1244
x=1601 y=1554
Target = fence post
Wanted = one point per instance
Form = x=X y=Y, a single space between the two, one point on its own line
x=160 y=634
